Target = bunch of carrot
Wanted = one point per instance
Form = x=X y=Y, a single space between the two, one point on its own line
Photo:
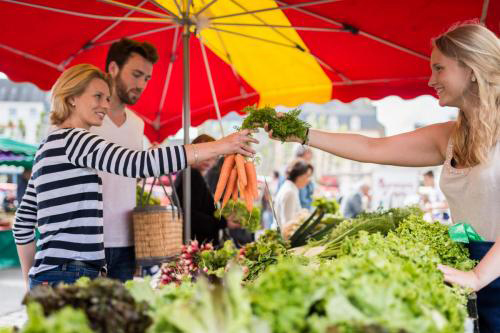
x=238 y=178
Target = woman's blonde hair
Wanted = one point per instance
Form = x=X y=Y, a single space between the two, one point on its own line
x=71 y=83
x=477 y=48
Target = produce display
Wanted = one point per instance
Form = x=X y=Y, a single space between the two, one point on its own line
x=375 y=273
x=249 y=220
x=203 y=259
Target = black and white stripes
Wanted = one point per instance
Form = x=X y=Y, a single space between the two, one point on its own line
x=64 y=199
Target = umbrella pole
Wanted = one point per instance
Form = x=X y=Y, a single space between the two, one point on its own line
x=186 y=124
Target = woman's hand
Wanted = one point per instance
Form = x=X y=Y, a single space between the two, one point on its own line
x=238 y=143
x=270 y=131
x=232 y=222
x=465 y=279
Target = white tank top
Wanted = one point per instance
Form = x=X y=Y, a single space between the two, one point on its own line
x=473 y=194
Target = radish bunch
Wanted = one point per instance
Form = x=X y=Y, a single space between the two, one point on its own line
x=186 y=267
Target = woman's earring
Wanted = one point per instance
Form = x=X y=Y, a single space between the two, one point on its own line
x=473 y=79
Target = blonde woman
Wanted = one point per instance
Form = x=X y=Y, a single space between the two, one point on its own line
x=63 y=198
x=465 y=63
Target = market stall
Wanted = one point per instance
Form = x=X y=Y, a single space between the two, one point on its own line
x=18 y=154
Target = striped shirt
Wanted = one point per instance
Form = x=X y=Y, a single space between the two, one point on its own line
x=64 y=199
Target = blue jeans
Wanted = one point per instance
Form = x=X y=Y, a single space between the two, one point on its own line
x=66 y=273
x=120 y=263
x=488 y=298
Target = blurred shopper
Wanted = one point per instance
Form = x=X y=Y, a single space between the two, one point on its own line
x=357 y=201
x=287 y=202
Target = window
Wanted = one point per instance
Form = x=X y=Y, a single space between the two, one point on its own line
x=32 y=112
x=13 y=93
x=12 y=112
x=333 y=123
x=355 y=123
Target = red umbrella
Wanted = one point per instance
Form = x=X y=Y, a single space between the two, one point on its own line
x=365 y=48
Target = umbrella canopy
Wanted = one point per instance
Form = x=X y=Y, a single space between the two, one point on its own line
x=16 y=160
x=245 y=51
x=17 y=147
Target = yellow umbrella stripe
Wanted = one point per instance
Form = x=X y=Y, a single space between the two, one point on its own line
x=270 y=60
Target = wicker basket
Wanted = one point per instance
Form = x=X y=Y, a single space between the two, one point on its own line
x=157 y=232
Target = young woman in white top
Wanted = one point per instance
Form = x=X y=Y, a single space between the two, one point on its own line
x=288 y=198
x=465 y=63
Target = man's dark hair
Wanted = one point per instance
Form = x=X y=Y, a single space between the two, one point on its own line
x=120 y=51
x=297 y=169
x=202 y=138
x=429 y=174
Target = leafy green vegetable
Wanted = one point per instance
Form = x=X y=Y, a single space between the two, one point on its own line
x=326 y=206
x=316 y=226
x=215 y=261
x=412 y=286
x=219 y=308
x=65 y=320
x=435 y=235
x=264 y=252
x=289 y=125
x=107 y=304
x=381 y=221
x=284 y=295
x=352 y=227
x=249 y=221
x=379 y=284
x=165 y=295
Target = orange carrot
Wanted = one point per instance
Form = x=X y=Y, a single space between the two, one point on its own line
x=249 y=199
x=240 y=164
x=231 y=183
x=252 y=178
x=225 y=171
x=242 y=190
x=235 y=189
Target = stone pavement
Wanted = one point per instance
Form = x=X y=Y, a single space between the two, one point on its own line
x=11 y=294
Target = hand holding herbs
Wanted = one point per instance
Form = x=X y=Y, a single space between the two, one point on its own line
x=285 y=127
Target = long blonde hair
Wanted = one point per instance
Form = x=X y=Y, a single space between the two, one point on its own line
x=71 y=83
x=477 y=48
